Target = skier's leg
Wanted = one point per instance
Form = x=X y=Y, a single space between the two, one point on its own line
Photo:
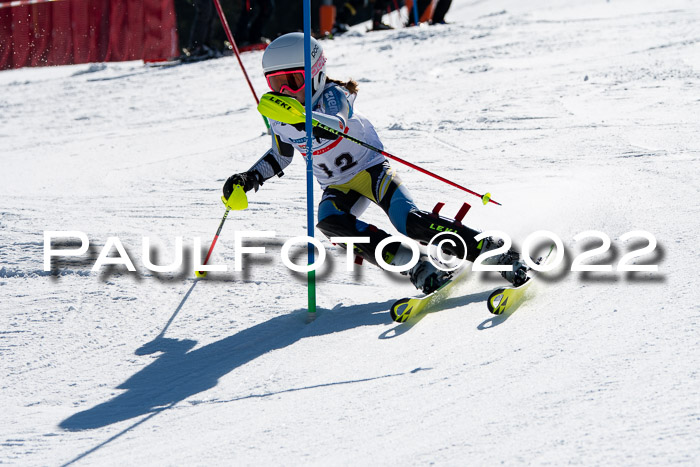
x=262 y=15
x=240 y=34
x=422 y=226
x=339 y=208
x=199 y=33
x=337 y=218
x=395 y=199
x=440 y=10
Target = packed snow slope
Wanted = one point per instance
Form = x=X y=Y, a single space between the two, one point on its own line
x=576 y=116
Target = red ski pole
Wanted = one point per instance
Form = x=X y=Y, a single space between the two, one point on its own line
x=286 y=109
x=485 y=198
x=203 y=274
x=236 y=201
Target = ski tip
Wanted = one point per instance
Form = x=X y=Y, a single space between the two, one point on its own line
x=494 y=302
x=400 y=310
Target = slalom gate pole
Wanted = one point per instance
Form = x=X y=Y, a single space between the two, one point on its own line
x=227 y=29
x=311 y=278
x=485 y=198
x=203 y=274
x=415 y=11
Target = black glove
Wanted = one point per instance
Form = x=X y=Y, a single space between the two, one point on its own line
x=248 y=180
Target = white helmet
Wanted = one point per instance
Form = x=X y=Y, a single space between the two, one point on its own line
x=287 y=53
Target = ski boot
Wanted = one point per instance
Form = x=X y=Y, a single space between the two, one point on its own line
x=424 y=275
x=518 y=274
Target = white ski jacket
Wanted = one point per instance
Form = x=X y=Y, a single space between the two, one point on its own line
x=335 y=161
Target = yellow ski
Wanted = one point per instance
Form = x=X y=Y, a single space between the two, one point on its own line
x=507 y=298
x=502 y=300
x=407 y=308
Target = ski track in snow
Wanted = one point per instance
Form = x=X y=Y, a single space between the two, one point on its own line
x=575 y=117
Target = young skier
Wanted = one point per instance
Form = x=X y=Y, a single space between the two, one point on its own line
x=350 y=175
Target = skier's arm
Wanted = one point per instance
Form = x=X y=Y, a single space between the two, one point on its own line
x=273 y=161
x=270 y=164
x=335 y=110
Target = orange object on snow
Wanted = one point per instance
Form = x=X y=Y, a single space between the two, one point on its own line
x=327 y=18
x=427 y=14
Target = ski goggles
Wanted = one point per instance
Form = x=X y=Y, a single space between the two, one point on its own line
x=292 y=81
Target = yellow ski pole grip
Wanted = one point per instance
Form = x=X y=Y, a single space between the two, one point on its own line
x=238 y=200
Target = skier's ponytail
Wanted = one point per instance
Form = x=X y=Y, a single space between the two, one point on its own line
x=351 y=85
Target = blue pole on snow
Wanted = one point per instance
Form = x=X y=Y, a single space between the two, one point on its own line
x=311 y=278
x=415 y=11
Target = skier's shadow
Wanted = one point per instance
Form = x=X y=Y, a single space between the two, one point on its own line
x=179 y=372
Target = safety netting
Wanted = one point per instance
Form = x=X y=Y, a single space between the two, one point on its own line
x=61 y=32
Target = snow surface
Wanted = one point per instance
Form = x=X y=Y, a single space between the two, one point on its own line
x=574 y=115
